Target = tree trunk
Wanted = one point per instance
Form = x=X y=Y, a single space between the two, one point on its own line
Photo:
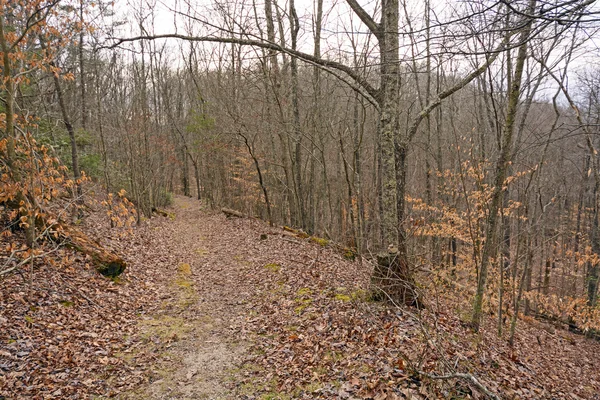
x=81 y=69
x=185 y=172
x=106 y=263
x=197 y=178
x=501 y=169
x=297 y=134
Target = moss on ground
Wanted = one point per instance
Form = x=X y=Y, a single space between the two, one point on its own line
x=273 y=267
x=320 y=241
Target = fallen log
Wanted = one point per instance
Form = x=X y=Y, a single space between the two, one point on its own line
x=296 y=232
x=160 y=212
x=105 y=262
x=65 y=234
x=229 y=213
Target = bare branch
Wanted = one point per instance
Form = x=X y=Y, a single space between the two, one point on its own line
x=360 y=80
x=468 y=377
x=412 y=130
x=373 y=26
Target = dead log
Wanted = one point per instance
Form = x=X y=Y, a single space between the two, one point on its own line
x=105 y=262
x=59 y=231
x=160 y=212
x=296 y=232
x=229 y=213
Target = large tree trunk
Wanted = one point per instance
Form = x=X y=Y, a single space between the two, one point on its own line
x=297 y=134
x=388 y=125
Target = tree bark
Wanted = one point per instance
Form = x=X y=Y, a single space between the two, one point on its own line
x=502 y=166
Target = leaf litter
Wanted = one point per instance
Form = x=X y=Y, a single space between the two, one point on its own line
x=209 y=309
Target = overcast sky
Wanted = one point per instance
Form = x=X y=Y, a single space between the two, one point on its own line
x=339 y=24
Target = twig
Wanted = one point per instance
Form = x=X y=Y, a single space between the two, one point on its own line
x=10 y=258
x=28 y=259
x=468 y=377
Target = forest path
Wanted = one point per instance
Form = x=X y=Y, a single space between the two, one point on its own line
x=235 y=314
x=230 y=296
x=192 y=333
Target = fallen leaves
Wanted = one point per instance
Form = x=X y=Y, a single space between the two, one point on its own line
x=301 y=307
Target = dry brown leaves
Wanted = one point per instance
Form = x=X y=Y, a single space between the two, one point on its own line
x=301 y=307
x=63 y=326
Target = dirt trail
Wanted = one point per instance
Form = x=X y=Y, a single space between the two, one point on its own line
x=193 y=330
x=227 y=298
x=238 y=317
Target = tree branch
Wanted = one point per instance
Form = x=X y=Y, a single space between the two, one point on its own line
x=468 y=377
x=361 y=81
x=373 y=26
x=412 y=130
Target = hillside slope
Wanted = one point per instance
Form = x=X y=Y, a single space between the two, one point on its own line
x=209 y=309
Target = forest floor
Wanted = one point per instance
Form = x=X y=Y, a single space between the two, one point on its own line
x=207 y=309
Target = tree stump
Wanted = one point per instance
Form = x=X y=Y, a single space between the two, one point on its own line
x=391 y=280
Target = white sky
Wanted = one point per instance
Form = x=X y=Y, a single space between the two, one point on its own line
x=339 y=24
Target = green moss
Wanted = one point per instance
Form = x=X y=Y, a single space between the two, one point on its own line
x=349 y=254
x=304 y=291
x=66 y=303
x=303 y=304
x=298 y=232
x=359 y=295
x=343 y=294
x=273 y=267
x=342 y=297
x=303 y=299
x=320 y=241
x=185 y=269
